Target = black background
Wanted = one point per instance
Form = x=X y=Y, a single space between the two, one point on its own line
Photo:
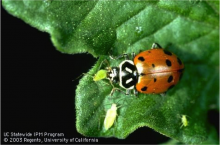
x=37 y=89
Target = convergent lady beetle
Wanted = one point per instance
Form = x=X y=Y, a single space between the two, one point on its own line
x=151 y=71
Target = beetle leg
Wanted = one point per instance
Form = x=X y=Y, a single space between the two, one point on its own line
x=127 y=92
x=135 y=92
x=155 y=45
x=133 y=55
x=163 y=94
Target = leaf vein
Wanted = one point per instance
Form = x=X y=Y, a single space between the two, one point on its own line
x=194 y=20
x=211 y=6
x=201 y=36
x=130 y=17
x=87 y=14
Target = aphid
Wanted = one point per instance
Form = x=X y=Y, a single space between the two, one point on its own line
x=151 y=71
x=184 y=121
x=101 y=74
x=110 y=117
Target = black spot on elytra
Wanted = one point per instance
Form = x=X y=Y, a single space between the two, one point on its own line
x=171 y=87
x=144 y=89
x=167 y=52
x=179 y=61
x=168 y=62
x=170 y=79
x=155 y=79
x=153 y=65
x=141 y=58
x=149 y=51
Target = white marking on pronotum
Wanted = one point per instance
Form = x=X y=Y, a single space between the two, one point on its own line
x=121 y=73
x=129 y=80
x=128 y=70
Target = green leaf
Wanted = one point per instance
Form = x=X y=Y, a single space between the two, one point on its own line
x=189 y=29
x=193 y=36
x=212 y=139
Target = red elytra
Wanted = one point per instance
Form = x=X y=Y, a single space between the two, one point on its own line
x=159 y=70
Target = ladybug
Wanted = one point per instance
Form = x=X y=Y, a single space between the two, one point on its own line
x=152 y=71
